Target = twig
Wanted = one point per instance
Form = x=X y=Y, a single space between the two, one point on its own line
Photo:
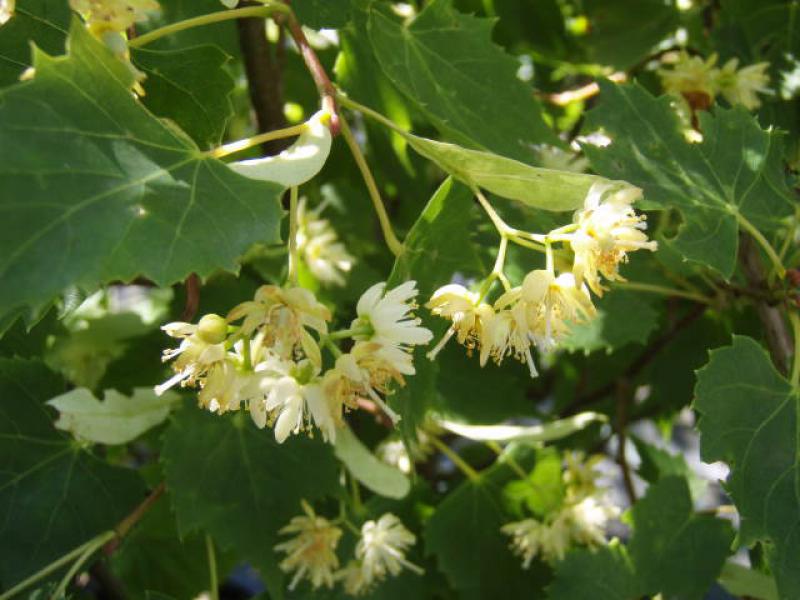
x=647 y=355
x=192 y=285
x=325 y=88
x=776 y=330
x=582 y=93
x=134 y=517
x=264 y=81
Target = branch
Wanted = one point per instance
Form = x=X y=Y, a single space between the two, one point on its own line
x=776 y=330
x=327 y=92
x=644 y=359
x=264 y=80
x=192 y=284
x=124 y=526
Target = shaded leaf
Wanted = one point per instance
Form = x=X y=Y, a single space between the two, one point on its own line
x=134 y=196
x=603 y=574
x=54 y=495
x=446 y=63
x=43 y=22
x=320 y=14
x=750 y=419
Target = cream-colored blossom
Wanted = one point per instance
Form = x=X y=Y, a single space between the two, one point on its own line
x=691 y=75
x=294 y=399
x=201 y=349
x=283 y=315
x=311 y=551
x=354 y=580
x=6 y=10
x=387 y=316
x=580 y=475
x=468 y=314
x=531 y=538
x=551 y=303
x=382 y=548
x=113 y=15
x=506 y=331
x=607 y=229
x=587 y=520
x=394 y=452
x=743 y=86
x=319 y=246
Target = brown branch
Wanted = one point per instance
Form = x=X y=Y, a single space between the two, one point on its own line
x=776 y=329
x=124 y=526
x=192 y=298
x=264 y=79
x=647 y=356
x=327 y=92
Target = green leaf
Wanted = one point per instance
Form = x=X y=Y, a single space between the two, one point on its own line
x=43 y=22
x=431 y=258
x=657 y=464
x=191 y=87
x=542 y=491
x=735 y=174
x=622 y=318
x=116 y=420
x=546 y=432
x=749 y=420
x=547 y=189
x=236 y=482
x=54 y=495
x=741 y=581
x=674 y=551
x=376 y=475
x=602 y=574
x=464 y=535
x=446 y=63
x=320 y=14
x=94 y=188
x=623 y=32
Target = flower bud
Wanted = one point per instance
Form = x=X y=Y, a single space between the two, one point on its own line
x=212 y=329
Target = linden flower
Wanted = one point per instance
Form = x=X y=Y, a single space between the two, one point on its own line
x=552 y=303
x=319 y=245
x=6 y=10
x=580 y=475
x=464 y=309
x=531 y=538
x=691 y=75
x=113 y=15
x=743 y=86
x=355 y=581
x=202 y=348
x=608 y=228
x=506 y=331
x=385 y=317
x=587 y=520
x=311 y=552
x=283 y=314
x=382 y=548
x=293 y=398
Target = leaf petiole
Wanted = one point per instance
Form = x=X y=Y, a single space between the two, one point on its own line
x=240 y=145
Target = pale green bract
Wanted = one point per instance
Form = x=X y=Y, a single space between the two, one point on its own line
x=379 y=477
x=118 y=419
x=546 y=432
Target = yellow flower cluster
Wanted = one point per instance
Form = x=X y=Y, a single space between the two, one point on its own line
x=540 y=312
x=272 y=364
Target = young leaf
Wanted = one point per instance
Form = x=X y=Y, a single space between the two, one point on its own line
x=95 y=188
x=749 y=420
x=236 y=482
x=116 y=420
x=54 y=495
x=735 y=174
x=446 y=63
x=190 y=87
x=376 y=475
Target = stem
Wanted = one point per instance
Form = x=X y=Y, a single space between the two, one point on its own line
x=497 y=270
x=293 y=256
x=376 y=116
x=515 y=466
x=261 y=138
x=192 y=285
x=459 y=462
x=502 y=228
x=212 y=568
x=128 y=522
x=777 y=265
x=355 y=494
x=325 y=88
x=215 y=17
x=666 y=291
x=346 y=333
x=91 y=548
x=328 y=343
x=526 y=243
x=794 y=318
x=386 y=226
